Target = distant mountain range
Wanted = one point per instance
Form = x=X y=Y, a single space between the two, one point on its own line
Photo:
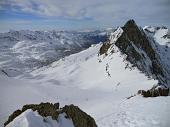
x=24 y=51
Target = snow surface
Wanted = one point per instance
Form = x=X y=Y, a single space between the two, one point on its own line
x=99 y=85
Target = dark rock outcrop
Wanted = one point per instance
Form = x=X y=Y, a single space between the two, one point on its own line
x=79 y=118
x=104 y=48
x=154 y=92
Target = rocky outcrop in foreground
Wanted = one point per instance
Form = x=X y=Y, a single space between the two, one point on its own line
x=79 y=118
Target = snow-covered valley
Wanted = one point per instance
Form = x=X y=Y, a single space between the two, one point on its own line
x=101 y=85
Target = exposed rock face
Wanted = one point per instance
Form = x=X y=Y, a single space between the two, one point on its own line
x=13 y=116
x=140 y=51
x=104 y=48
x=79 y=118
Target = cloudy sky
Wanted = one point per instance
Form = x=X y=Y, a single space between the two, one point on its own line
x=81 y=14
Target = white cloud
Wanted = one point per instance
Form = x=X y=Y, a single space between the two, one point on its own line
x=103 y=12
x=85 y=8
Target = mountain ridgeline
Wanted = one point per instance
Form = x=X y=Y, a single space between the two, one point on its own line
x=141 y=52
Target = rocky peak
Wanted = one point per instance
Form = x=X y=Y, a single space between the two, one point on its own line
x=140 y=51
x=130 y=24
x=132 y=33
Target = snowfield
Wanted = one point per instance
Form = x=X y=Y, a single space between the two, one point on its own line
x=99 y=85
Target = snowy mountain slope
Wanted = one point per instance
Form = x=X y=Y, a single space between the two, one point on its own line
x=104 y=86
x=85 y=67
x=23 y=51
